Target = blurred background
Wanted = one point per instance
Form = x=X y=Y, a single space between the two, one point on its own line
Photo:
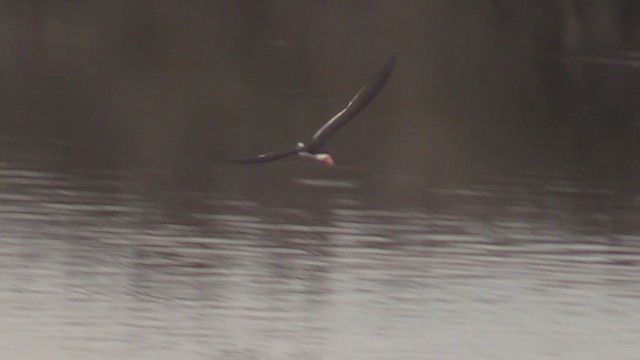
x=484 y=205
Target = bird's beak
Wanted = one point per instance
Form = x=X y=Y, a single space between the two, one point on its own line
x=328 y=161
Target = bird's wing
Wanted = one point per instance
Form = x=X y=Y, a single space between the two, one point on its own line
x=272 y=156
x=366 y=94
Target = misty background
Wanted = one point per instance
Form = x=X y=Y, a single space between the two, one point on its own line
x=161 y=84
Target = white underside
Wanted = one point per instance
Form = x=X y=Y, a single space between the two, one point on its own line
x=304 y=153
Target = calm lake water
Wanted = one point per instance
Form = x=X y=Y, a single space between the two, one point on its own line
x=294 y=261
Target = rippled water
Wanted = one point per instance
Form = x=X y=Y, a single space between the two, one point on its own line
x=104 y=264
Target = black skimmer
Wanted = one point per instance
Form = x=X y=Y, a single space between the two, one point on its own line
x=313 y=149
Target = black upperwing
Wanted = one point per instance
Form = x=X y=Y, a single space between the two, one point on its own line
x=272 y=156
x=359 y=102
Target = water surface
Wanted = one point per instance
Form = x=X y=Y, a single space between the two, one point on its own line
x=110 y=263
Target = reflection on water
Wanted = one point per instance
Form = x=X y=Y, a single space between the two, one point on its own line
x=95 y=266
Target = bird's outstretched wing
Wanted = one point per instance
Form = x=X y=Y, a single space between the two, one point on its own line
x=265 y=157
x=359 y=102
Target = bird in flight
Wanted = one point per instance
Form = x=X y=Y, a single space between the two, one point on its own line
x=314 y=148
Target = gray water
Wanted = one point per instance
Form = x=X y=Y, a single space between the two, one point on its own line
x=109 y=263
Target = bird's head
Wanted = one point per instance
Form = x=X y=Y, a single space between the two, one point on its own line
x=324 y=158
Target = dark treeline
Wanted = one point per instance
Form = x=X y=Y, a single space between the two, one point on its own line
x=159 y=82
